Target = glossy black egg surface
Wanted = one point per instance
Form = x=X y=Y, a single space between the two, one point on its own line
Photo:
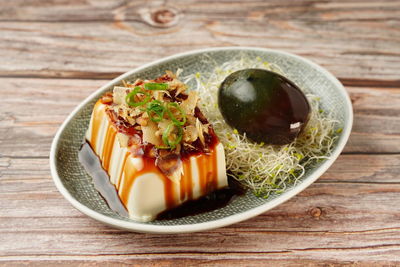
x=266 y=106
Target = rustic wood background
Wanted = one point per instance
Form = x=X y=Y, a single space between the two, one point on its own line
x=54 y=53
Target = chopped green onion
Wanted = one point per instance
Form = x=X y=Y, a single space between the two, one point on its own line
x=130 y=98
x=173 y=118
x=156 y=86
x=155 y=110
x=167 y=133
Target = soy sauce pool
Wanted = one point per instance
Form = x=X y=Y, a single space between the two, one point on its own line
x=212 y=201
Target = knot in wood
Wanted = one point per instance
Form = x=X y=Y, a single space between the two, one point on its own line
x=163 y=17
x=316 y=212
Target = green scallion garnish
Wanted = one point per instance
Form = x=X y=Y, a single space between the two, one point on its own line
x=167 y=133
x=130 y=98
x=173 y=118
x=156 y=86
x=155 y=110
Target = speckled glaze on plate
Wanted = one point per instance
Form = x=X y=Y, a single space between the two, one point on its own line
x=76 y=185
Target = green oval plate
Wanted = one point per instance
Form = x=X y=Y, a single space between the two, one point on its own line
x=76 y=186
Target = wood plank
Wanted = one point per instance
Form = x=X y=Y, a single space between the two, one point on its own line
x=348 y=217
x=28 y=131
x=229 y=242
x=26 y=184
x=376 y=120
x=337 y=218
x=327 y=32
x=364 y=169
x=16 y=174
x=243 y=259
x=349 y=227
x=110 y=10
x=42 y=106
x=239 y=260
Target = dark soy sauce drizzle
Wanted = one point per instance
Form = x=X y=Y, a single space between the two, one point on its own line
x=215 y=200
x=101 y=180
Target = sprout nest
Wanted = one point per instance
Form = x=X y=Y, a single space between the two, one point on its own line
x=265 y=169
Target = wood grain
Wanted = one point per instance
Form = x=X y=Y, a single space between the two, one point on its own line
x=192 y=260
x=349 y=215
x=353 y=45
x=352 y=168
x=28 y=131
x=119 y=10
x=54 y=53
x=341 y=227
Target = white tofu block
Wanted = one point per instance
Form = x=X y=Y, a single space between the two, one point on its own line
x=143 y=189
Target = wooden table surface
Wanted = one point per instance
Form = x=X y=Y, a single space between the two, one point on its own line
x=54 y=53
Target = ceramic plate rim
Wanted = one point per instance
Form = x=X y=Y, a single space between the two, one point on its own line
x=235 y=218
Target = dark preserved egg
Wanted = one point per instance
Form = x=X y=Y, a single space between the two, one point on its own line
x=266 y=106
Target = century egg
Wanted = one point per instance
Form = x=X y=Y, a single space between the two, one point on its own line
x=264 y=105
